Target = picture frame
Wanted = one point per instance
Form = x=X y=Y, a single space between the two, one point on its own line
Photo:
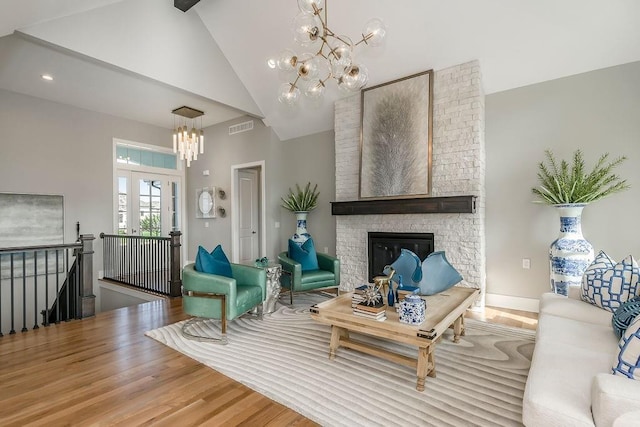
x=396 y=138
x=206 y=202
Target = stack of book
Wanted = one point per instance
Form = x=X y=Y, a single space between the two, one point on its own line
x=375 y=312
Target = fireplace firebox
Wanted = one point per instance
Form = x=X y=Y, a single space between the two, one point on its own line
x=384 y=248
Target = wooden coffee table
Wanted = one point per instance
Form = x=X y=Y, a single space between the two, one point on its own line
x=444 y=310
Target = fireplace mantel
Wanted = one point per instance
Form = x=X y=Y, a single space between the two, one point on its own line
x=424 y=205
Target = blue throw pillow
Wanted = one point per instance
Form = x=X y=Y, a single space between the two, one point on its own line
x=305 y=254
x=627 y=361
x=624 y=315
x=215 y=262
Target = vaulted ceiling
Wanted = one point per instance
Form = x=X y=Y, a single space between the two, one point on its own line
x=142 y=58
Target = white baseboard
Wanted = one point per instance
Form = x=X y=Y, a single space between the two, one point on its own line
x=514 y=303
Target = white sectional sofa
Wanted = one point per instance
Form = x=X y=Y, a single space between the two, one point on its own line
x=570 y=381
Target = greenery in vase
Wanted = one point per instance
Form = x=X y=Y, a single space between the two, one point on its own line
x=561 y=184
x=301 y=200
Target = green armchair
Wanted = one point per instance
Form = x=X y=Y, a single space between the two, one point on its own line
x=296 y=280
x=209 y=296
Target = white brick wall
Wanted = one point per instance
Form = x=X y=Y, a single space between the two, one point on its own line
x=458 y=168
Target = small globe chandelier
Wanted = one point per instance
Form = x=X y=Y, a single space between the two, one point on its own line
x=333 y=58
x=187 y=142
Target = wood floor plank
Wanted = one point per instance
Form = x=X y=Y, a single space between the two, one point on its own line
x=104 y=371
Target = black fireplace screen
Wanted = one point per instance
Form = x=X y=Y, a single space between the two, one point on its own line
x=384 y=248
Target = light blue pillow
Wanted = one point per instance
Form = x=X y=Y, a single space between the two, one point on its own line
x=624 y=315
x=607 y=284
x=627 y=362
x=305 y=254
x=437 y=274
x=215 y=262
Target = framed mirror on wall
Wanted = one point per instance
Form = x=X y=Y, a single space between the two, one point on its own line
x=206 y=202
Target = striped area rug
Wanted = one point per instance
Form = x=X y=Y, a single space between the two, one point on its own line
x=480 y=381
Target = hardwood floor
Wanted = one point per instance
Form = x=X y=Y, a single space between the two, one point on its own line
x=104 y=371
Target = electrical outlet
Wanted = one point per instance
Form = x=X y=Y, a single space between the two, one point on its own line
x=326 y=250
x=206 y=224
x=277 y=224
x=526 y=263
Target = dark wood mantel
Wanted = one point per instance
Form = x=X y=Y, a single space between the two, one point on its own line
x=451 y=204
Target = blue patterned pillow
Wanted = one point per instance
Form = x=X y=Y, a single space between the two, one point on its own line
x=627 y=362
x=607 y=284
x=624 y=315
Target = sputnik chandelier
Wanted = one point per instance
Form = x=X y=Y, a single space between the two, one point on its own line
x=187 y=142
x=333 y=57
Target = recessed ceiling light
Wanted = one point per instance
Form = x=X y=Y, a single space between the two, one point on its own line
x=47 y=77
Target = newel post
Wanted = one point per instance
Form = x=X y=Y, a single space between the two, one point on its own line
x=176 y=282
x=87 y=298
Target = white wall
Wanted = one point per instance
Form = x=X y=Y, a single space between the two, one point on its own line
x=596 y=112
x=50 y=148
x=286 y=163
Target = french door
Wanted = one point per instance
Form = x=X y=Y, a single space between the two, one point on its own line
x=148 y=204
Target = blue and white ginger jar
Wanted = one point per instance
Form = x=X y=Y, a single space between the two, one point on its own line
x=412 y=310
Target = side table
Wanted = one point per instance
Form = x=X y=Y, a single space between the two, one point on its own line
x=274 y=271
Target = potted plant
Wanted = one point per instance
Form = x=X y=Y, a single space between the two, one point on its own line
x=301 y=202
x=570 y=189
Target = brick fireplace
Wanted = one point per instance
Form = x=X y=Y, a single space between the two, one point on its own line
x=458 y=168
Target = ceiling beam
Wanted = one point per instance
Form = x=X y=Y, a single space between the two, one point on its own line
x=184 y=5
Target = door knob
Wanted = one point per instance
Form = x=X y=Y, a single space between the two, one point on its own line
x=253 y=232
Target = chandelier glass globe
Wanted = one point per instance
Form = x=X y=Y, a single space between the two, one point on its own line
x=332 y=56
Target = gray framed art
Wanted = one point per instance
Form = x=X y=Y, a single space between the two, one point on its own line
x=396 y=138
x=30 y=220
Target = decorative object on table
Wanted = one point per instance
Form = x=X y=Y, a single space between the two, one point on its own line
x=434 y=274
x=608 y=284
x=188 y=142
x=624 y=315
x=331 y=57
x=395 y=146
x=370 y=303
x=262 y=262
x=206 y=202
x=301 y=202
x=570 y=189
x=412 y=310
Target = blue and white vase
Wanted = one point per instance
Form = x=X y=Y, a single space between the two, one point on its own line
x=570 y=254
x=301 y=235
x=412 y=310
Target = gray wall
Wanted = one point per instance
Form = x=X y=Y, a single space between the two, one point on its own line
x=286 y=163
x=50 y=148
x=597 y=112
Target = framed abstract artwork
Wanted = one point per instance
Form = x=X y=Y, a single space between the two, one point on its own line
x=396 y=138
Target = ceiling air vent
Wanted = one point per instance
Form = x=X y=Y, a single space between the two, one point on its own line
x=241 y=127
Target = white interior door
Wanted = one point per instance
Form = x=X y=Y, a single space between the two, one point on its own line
x=248 y=211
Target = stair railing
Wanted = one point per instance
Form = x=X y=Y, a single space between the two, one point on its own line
x=148 y=263
x=56 y=280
